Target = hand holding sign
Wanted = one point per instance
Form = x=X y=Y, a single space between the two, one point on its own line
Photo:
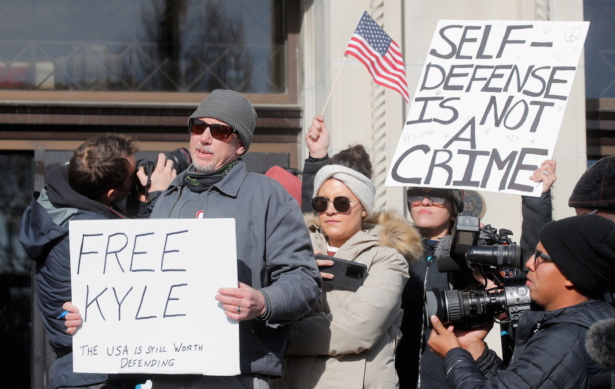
x=243 y=303
x=73 y=318
x=545 y=174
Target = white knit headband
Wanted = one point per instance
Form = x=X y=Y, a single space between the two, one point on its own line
x=359 y=184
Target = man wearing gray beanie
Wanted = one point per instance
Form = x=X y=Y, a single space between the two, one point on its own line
x=278 y=278
x=572 y=267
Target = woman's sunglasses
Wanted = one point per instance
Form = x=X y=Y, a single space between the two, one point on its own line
x=218 y=131
x=436 y=198
x=340 y=203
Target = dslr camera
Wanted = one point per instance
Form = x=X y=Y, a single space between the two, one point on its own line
x=181 y=160
x=491 y=253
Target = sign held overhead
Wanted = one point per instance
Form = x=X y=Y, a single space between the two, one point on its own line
x=489 y=105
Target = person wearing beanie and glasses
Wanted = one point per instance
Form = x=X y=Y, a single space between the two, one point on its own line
x=279 y=281
x=572 y=267
x=348 y=340
x=433 y=212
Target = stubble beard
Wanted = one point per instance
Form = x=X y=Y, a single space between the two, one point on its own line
x=203 y=168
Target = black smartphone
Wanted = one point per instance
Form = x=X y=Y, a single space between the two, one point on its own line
x=347 y=274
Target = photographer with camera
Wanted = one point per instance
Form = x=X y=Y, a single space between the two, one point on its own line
x=433 y=212
x=100 y=174
x=572 y=267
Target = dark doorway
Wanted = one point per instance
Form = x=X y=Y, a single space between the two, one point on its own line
x=15 y=269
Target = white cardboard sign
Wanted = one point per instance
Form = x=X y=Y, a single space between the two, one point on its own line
x=489 y=105
x=146 y=291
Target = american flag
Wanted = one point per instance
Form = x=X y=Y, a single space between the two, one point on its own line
x=380 y=54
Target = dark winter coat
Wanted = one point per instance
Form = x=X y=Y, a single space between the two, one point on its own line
x=550 y=353
x=274 y=255
x=44 y=235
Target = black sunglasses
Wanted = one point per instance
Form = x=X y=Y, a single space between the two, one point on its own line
x=436 y=197
x=340 y=203
x=218 y=131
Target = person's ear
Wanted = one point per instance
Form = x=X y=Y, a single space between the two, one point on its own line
x=363 y=213
x=241 y=149
x=569 y=284
x=108 y=197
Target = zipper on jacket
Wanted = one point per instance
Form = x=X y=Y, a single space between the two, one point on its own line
x=429 y=262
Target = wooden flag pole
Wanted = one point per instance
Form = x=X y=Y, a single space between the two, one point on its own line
x=333 y=87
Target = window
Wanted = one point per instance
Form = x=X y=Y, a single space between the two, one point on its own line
x=600 y=49
x=600 y=78
x=143 y=45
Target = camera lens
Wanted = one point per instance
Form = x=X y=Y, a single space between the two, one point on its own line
x=181 y=159
x=453 y=306
x=498 y=256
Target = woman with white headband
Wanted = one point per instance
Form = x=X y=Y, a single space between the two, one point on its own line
x=349 y=338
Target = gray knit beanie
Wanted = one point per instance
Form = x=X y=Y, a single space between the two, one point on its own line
x=231 y=108
x=596 y=187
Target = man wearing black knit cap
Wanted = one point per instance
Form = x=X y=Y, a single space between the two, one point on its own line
x=594 y=193
x=573 y=265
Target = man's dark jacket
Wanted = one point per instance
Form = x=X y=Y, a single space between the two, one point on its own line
x=550 y=353
x=44 y=235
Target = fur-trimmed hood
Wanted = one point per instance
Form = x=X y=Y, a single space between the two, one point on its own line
x=394 y=231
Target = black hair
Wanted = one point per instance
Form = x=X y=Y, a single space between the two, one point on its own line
x=354 y=157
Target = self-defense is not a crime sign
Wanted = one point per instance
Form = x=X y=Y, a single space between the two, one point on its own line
x=489 y=105
x=146 y=291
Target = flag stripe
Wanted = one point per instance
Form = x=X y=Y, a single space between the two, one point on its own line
x=371 y=66
x=380 y=80
x=394 y=69
x=371 y=61
x=379 y=65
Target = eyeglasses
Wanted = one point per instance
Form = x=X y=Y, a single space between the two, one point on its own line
x=542 y=255
x=340 y=203
x=436 y=198
x=218 y=131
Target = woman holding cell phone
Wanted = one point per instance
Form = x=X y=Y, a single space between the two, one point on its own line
x=349 y=338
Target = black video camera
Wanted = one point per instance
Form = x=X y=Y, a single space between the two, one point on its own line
x=496 y=257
